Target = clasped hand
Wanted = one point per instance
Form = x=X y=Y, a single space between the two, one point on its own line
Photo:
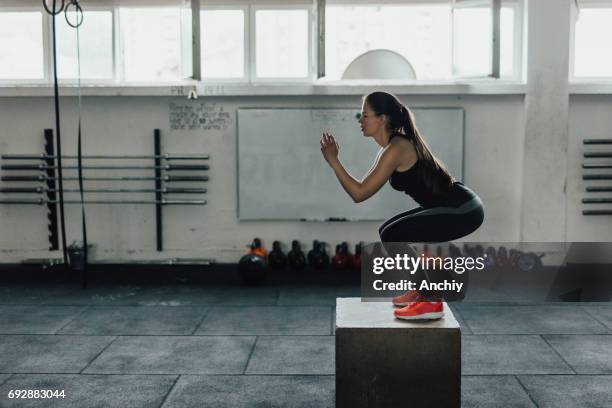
x=329 y=147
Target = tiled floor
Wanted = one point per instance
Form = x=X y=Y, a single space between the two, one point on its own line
x=215 y=346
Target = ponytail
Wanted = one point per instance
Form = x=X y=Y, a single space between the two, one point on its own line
x=433 y=172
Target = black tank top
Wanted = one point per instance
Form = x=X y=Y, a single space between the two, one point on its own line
x=411 y=182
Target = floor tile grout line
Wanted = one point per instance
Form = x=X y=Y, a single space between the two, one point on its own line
x=333 y=308
x=535 y=334
x=557 y=353
x=566 y=375
x=535 y=375
x=98 y=355
x=456 y=310
x=250 y=354
x=170 y=391
x=540 y=334
x=102 y=305
x=193 y=333
x=6 y=379
x=85 y=309
x=609 y=329
x=171 y=374
x=526 y=391
x=175 y=335
x=606 y=328
x=45 y=304
x=280 y=375
x=157 y=305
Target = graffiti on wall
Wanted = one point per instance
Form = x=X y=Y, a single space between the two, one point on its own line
x=199 y=116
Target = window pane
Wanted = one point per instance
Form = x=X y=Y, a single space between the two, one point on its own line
x=151 y=40
x=96 y=46
x=21 y=45
x=506 y=50
x=592 y=46
x=472 y=41
x=222 y=40
x=419 y=33
x=281 y=43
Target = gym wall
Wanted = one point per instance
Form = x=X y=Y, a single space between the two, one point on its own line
x=494 y=128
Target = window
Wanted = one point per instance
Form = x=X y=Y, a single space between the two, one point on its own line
x=151 y=44
x=592 y=48
x=419 y=33
x=96 y=46
x=222 y=39
x=509 y=49
x=438 y=44
x=282 y=43
x=263 y=41
x=473 y=36
x=21 y=45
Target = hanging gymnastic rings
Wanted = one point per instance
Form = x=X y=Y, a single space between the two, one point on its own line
x=79 y=13
x=53 y=10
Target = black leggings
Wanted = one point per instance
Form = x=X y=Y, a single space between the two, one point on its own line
x=436 y=224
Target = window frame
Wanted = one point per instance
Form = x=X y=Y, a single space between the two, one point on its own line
x=518 y=52
x=495 y=44
x=370 y=3
x=574 y=13
x=250 y=84
x=519 y=48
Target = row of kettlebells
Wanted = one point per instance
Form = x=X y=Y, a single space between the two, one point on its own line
x=317 y=257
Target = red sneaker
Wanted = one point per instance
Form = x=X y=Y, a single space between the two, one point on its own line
x=406 y=299
x=421 y=311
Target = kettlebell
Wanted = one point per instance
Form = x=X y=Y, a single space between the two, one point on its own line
x=340 y=259
x=513 y=257
x=295 y=257
x=313 y=252
x=356 y=259
x=529 y=262
x=454 y=251
x=501 y=260
x=479 y=251
x=252 y=269
x=317 y=256
x=276 y=258
x=257 y=248
x=490 y=258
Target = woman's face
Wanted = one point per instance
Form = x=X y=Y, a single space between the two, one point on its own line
x=370 y=123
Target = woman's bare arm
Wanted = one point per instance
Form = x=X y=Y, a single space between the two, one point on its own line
x=387 y=161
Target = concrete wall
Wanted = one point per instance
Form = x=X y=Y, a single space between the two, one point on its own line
x=124 y=125
x=589 y=118
x=546 y=122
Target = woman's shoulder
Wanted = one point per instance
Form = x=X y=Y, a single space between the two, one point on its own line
x=403 y=144
x=406 y=152
x=400 y=140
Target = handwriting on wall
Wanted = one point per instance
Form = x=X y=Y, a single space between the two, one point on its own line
x=330 y=116
x=205 y=116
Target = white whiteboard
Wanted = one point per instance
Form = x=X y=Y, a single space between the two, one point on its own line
x=283 y=176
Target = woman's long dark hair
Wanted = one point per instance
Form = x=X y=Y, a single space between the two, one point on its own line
x=432 y=170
